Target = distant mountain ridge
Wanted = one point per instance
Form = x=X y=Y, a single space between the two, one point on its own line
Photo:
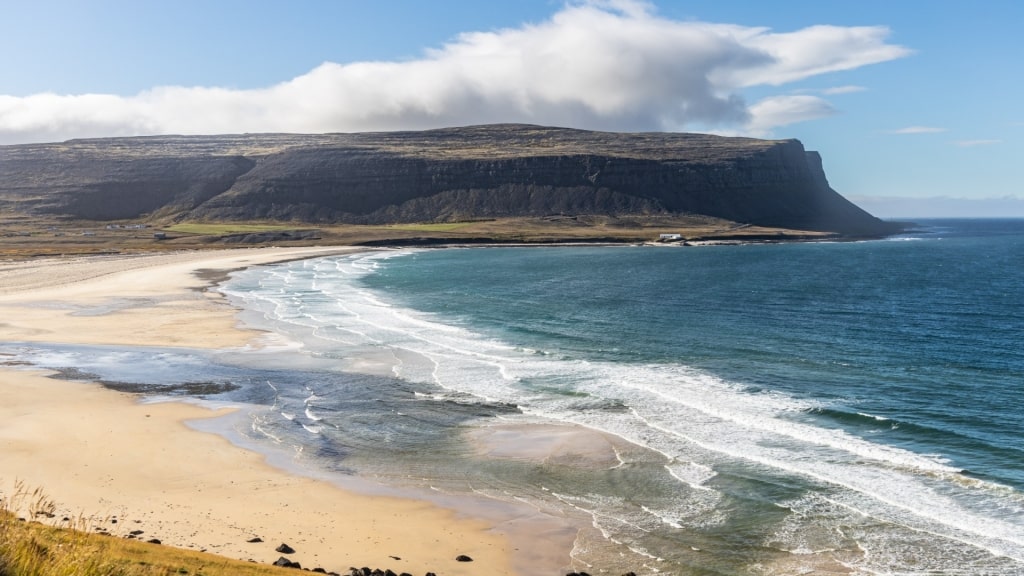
x=451 y=174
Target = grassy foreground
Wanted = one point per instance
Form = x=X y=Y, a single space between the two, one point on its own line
x=30 y=548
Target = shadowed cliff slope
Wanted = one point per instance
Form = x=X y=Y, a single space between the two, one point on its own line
x=429 y=176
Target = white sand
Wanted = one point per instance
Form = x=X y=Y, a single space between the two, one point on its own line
x=153 y=300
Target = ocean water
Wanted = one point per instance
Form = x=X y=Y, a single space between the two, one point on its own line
x=851 y=407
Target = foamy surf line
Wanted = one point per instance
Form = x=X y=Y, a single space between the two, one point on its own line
x=698 y=423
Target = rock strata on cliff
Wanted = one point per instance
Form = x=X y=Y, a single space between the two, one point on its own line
x=435 y=176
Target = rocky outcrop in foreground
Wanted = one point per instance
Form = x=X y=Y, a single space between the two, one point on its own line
x=441 y=175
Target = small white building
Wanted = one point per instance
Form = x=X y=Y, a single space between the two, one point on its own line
x=670 y=237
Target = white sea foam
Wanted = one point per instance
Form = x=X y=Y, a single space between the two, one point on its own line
x=258 y=427
x=872 y=416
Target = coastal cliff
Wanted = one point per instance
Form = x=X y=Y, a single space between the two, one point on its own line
x=443 y=175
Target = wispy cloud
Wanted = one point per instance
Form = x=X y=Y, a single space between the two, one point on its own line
x=973 y=143
x=843 y=90
x=918 y=130
x=600 y=64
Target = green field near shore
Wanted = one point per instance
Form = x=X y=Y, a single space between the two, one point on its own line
x=431 y=227
x=224 y=228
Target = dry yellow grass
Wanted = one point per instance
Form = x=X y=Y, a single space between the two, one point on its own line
x=28 y=547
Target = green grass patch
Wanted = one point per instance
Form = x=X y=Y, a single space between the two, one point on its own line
x=222 y=229
x=437 y=227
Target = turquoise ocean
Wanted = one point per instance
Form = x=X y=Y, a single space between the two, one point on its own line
x=821 y=407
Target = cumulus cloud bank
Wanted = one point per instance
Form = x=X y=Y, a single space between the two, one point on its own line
x=599 y=64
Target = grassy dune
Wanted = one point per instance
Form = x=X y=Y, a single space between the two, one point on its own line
x=29 y=547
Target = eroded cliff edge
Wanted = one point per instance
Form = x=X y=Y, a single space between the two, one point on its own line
x=440 y=175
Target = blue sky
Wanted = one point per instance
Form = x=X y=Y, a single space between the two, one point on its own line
x=911 y=99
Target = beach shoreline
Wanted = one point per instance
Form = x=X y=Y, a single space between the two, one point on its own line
x=103 y=454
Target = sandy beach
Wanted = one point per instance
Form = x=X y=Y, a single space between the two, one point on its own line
x=102 y=454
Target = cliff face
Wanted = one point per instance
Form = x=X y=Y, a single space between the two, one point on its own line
x=436 y=175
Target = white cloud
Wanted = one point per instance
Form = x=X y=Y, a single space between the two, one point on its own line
x=600 y=64
x=973 y=143
x=784 y=110
x=809 y=52
x=843 y=90
x=918 y=130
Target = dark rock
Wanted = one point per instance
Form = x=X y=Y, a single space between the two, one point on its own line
x=136 y=532
x=319 y=570
x=285 y=549
x=255 y=540
x=154 y=541
x=431 y=574
x=463 y=558
x=629 y=574
x=445 y=175
x=390 y=572
x=177 y=389
x=286 y=563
